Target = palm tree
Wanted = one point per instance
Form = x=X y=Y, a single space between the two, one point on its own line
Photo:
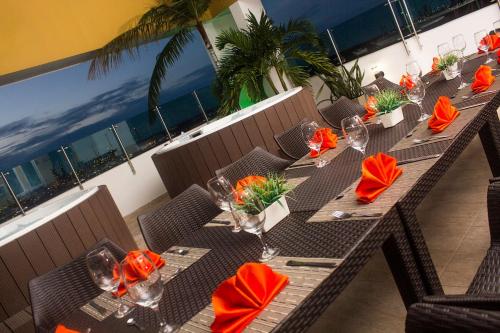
x=179 y=16
x=250 y=55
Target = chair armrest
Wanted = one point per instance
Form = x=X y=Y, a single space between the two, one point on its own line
x=494 y=180
x=434 y=318
x=481 y=302
x=494 y=211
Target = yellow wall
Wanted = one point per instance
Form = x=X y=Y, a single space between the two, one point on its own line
x=35 y=32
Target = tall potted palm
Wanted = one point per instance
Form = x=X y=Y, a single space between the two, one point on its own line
x=251 y=54
x=178 y=17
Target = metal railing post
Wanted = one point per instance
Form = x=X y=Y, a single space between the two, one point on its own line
x=66 y=157
x=412 y=24
x=200 y=106
x=157 y=109
x=11 y=191
x=330 y=36
x=124 y=151
x=389 y=2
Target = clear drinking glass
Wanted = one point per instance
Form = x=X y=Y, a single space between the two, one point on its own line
x=416 y=95
x=105 y=271
x=413 y=69
x=443 y=49
x=314 y=141
x=253 y=216
x=355 y=133
x=478 y=37
x=148 y=290
x=459 y=42
x=457 y=70
x=370 y=91
x=222 y=193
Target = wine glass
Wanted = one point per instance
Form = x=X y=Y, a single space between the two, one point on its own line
x=416 y=95
x=443 y=49
x=483 y=42
x=222 y=193
x=413 y=69
x=355 y=133
x=457 y=70
x=105 y=271
x=370 y=91
x=459 y=42
x=314 y=140
x=147 y=290
x=252 y=218
x=496 y=27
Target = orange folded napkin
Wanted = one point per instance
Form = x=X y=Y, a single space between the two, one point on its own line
x=377 y=174
x=406 y=82
x=239 y=300
x=370 y=107
x=435 y=65
x=135 y=271
x=498 y=57
x=243 y=183
x=493 y=43
x=329 y=141
x=483 y=79
x=444 y=114
x=63 y=329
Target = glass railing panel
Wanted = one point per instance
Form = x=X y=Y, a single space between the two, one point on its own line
x=208 y=100
x=182 y=114
x=8 y=206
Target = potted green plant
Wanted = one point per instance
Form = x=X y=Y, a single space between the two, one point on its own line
x=389 y=107
x=272 y=193
x=449 y=66
x=344 y=82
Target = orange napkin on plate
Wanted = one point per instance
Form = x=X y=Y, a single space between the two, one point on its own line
x=444 y=114
x=63 y=329
x=243 y=183
x=493 y=42
x=483 y=79
x=406 y=82
x=329 y=141
x=377 y=174
x=135 y=271
x=371 y=111
x=239 y=300
x=435 y=64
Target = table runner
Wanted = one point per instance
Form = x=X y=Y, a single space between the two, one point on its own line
x=105 y=305
x=302 y=282
x=411 y=174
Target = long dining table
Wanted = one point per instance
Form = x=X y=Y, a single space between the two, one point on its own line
x=309 y=232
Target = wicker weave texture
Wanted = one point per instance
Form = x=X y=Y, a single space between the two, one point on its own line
x=292 y=142
x=340 y=109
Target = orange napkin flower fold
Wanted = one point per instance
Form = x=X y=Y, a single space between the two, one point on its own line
x=378 y=172
x=493 y=42
x=135 y=271
x=435 y=65
x=406 y=82
x=239 y=300
x=444 y=114
x=370 y=107
x=63 y=329
x=483 y=79
x=243 y=183
x=329 y=141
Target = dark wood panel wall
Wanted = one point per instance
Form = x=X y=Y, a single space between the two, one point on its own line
x=56 y=243
x=196 y=162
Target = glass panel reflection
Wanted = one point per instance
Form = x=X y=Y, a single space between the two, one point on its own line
x=8 y=206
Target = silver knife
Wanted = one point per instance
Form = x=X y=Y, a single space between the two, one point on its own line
x=296 y=263
x=102 y=310
x=472 y=106
x=417 y=159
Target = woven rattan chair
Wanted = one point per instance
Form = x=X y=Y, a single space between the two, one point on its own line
x=258 y=162
x=292 y=142
x=177 y=219
x=384 y=84
x=58 y=293
x=479 y=309
x=340 y=109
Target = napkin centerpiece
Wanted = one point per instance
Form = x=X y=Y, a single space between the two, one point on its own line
x=241 y=298
x=483 y=79
x=444 y=114
x=329 y=141
x=378 y=173
x=370 y=108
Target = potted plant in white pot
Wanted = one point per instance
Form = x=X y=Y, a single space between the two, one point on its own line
x=272 y=193
x=389 y=107
x=448 y=64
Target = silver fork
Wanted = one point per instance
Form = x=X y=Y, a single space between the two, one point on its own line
x=419 y=141
x=338 y=214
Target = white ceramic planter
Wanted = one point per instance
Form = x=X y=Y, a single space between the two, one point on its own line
x=451 y=72
x=275 y=213
x=392 y=119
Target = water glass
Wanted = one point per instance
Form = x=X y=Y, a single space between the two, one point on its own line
x=483 y=42
x=416 y=95
x=105 y=271
x=457 y=70
x=413 y=69
x=459 y=42
x=148 y=290
x=314 y=140
x=355 y=133
x=253 y=217
x=443 y=49
x=222 y=193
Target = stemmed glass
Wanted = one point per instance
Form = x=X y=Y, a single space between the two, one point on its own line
x=457 y=70
x=483 y=42
x=459 y=42
x=416 y=95
x=105 y=271
x=443 y=49
x=314 y=140
x=413 y=69
x=148 y=289
x=355 y=133
x=252 y=218
x=222 y=193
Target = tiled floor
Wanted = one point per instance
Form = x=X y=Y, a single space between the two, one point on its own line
x=454 y=222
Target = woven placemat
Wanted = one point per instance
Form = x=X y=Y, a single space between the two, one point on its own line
x=329 y=155
x=466 y=94
x=105 y=304
x=302 y=282
x=349 y=203
x=422 y=130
